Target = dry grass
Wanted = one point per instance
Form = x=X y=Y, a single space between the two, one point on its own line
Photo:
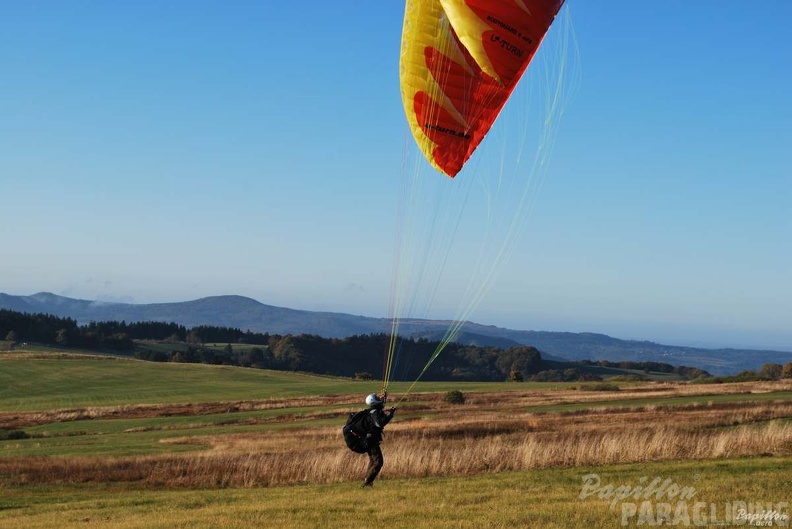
x=644 y=391
x=478 y=400
x=141 y=411
x=491 y=433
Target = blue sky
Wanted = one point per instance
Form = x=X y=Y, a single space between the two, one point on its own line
x=153 y=153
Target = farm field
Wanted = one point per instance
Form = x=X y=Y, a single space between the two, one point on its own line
x=31 y=381
x=537 y=498
x=108 y=442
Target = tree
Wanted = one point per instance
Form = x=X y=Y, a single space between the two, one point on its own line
x=119 y=341
x=11 y=339
x=524 y=359
x=771 y=371
x=62 y=337
x=515 y=376
x=786 y=371
x=252 y=358
x=287 y=354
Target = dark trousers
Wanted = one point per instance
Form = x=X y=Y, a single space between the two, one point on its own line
x=375 y=462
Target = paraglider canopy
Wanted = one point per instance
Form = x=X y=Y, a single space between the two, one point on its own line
x=460 y=61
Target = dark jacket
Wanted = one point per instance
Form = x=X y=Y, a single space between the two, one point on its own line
x=376 y=421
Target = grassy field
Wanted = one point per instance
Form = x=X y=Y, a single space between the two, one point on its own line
x=110 y=442
x=43 y=381
x=541 y=498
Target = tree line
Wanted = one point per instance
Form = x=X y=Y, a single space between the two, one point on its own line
x=361 y=356
x=113 y=335
x=686 y=372
x=358 y=356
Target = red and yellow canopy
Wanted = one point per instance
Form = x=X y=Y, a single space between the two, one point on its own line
x=460 y=61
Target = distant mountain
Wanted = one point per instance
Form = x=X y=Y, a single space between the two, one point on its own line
x=229 y=311
x=248 y=314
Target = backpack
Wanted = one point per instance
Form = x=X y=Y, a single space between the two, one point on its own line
x=356 y=432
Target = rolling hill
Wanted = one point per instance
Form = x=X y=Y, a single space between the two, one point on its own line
x=248 y=314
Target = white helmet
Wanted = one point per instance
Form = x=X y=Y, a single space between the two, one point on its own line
x=372 y=401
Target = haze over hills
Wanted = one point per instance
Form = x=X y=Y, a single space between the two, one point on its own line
x=248 y=314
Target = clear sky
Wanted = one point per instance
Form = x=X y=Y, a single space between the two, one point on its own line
x=165 y=151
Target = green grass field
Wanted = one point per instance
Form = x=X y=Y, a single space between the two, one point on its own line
x=38 y=384
x=45 y=383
